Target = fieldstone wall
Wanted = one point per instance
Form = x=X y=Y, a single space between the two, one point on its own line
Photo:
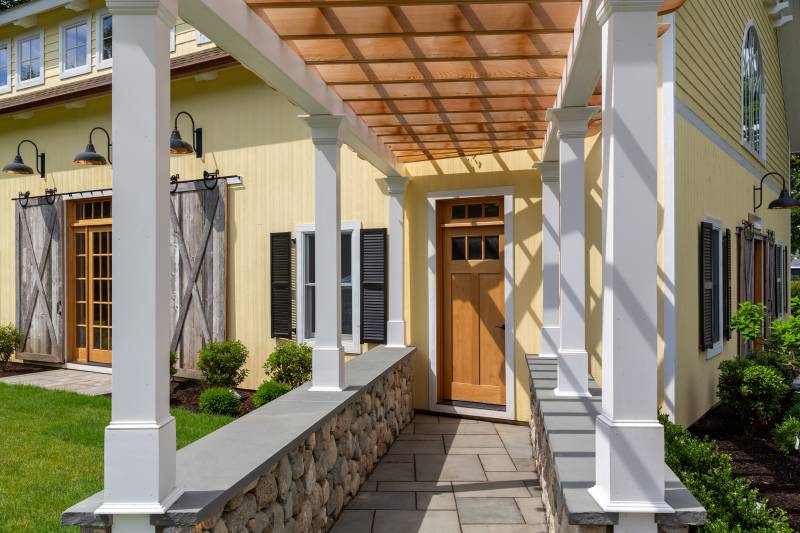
x=308 y=487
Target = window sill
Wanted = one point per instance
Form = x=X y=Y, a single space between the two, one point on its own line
x=103 y=65
x=30 y=83
x=78 y=71
x=761 y=158
x=350 y=347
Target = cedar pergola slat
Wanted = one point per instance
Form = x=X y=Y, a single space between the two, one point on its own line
x=482 y=136
x=435 y=105
x=372 y=3
x=456 y=128
x=450 y=89
x=445 y=59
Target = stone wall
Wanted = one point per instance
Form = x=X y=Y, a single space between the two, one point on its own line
x=308 y=487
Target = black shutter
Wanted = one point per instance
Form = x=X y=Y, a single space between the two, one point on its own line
x=373 y=285
x=281 y=284
x=706 y=284
x=727 y=290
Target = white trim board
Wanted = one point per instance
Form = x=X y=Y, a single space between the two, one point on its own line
x=508 y=220
x=88 y=368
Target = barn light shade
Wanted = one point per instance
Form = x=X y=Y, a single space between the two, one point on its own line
x=18 y=166
x=180 y=147
x=784 y=199
x=90 y=156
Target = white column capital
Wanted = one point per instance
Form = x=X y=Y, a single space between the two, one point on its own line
x=571 y=122
x=166 y=10
x=325 y=129
x=396 y=185
x=606 y=8
x=549 y=170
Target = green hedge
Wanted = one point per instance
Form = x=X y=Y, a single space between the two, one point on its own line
x=733 y=506
x=219 y=401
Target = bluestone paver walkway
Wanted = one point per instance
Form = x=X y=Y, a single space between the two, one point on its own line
x=88 y=383
x=447 y=475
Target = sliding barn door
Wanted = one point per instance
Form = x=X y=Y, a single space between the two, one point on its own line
x=40 y=280
x=197 y=217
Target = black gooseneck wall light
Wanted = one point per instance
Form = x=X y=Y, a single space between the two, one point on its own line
x=784 y=199
x=18 y=166
x=178 y=146
x=90 y=156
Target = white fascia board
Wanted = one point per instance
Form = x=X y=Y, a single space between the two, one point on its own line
x=235 y=28
x=30 y=9
x=581 y=71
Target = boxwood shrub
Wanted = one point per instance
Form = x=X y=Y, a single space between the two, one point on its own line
x=219 y=401
x=290 y=363
x=733 y=506
x=268 y=391
x=221 y=363
x=756 y=393
x=785 y=435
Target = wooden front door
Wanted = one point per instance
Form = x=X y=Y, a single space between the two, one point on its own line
x=89 y=279
x=472 y=301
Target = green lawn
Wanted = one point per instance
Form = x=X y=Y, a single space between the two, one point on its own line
x=51 y=452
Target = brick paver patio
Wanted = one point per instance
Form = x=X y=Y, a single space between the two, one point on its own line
x=448 y=475
x=88 y=383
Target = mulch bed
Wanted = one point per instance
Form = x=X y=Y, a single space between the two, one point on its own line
x=186 y=394
x=15 y=369
x=774 y=474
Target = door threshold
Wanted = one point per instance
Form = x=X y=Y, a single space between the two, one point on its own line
x=89 y=367
x=473 y=405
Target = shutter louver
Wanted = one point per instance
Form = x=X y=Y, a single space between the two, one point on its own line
x=281 y=284
x=373 y=285
x=727 y=289
x=706 y=284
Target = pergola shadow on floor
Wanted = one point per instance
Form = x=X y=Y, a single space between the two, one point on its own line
x=449 y=475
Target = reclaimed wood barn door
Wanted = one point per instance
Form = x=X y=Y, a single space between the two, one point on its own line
x=198 y=219
x=40 y=279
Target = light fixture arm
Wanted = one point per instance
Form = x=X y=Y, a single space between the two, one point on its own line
x=108 y=140
x=759 y=191
x=197 y=134
x=40 y=159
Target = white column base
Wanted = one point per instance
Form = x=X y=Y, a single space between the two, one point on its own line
x=633 y=451
x=132 y=524
x=327 y=367
x=139 y=468
x=550 y=342
x=573 y=374
x=396 y=334
x=636 y=523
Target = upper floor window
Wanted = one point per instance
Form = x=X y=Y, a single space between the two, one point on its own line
x=5 y=66
x=75 y=48
x=199 y=38
x=30 y=60
x=753 y=94
x=104 y=40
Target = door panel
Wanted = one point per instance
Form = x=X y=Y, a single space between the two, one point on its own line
x=471 y=301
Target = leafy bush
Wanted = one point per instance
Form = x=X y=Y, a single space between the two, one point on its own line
x=268 y=391
x=784 y=364
x=221 y=363
x=173 y=364
x=785 y=334
x=10 y=341
x=747 y=320
x=732 y=504
x=794 y=406
x=290 y=363
x=785 y=434
x=794 y=301
x=754 y=392
x=219 y=401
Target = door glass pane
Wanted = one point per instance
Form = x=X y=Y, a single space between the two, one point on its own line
x=81 y=337
x=491 y=210
x=459 y=252
x=475 y=246
x=458 y=211
x=492 y=244
x=347 y=258
x=474 y=211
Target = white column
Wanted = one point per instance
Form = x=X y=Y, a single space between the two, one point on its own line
x=328 y=355
x=573 y=360
x=396 y=324
x=629 y=446
x=551 y=330
x=140 y=440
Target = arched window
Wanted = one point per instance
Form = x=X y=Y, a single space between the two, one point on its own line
x=753 y=95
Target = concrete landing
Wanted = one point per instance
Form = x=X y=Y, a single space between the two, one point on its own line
x=87 y=383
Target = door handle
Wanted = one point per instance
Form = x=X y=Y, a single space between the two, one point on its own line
x=501 y=327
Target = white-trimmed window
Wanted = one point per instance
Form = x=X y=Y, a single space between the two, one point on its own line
x=5 y=66
x=754 y=103
x=104 y=39
x=30 y=59
x=199 y=38
x=75 y=46
x=172 y=39
x=351 y=285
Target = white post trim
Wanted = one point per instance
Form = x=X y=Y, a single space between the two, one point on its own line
x=140 y=440
x=396 y=324
x=629 y=440
x=551 y=329
x=571 y=124
x=508 y=221
x=328 y=353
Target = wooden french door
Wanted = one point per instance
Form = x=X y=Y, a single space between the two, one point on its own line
x=89 y=282
x=471 y=301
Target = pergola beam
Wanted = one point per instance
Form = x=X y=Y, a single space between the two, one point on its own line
x=282 y=4
x=437 y=33
x=444 y=59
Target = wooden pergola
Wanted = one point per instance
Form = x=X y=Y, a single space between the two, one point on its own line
x=437 y=78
